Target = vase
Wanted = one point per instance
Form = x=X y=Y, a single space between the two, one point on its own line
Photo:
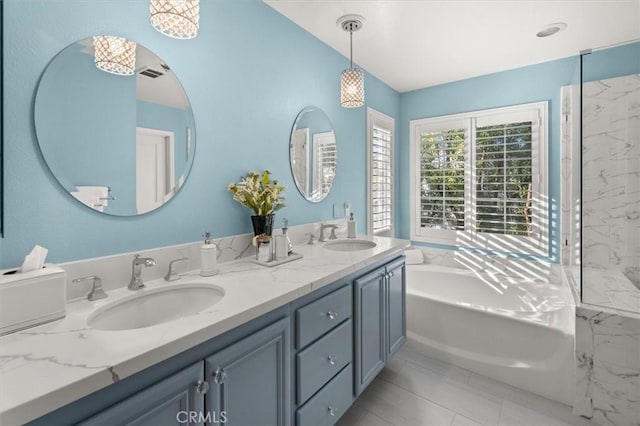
x=262 y=224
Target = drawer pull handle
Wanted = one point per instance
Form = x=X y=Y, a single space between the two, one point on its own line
x=202 y=387
x=332 y=359
x=332 y=411
x=219 y=376
x=332 y=315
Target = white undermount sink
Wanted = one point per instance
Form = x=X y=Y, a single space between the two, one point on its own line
x=349 y=245
x=155 y=306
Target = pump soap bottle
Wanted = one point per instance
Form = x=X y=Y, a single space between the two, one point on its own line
x=208 y=257
x=351 y=226
x=285 y=232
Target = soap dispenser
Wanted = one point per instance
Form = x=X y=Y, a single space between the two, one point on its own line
x=351 y=226
x=208 y=257
x=285 y=232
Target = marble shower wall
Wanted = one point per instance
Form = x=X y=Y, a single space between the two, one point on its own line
x=607 y=366
x=611 y=176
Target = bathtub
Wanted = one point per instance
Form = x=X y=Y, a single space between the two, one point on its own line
x=517 y=331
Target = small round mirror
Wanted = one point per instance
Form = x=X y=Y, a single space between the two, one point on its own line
x=313 y=154
x=114 y=125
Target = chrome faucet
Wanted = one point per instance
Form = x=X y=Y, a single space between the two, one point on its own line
x=172 y=274
x=96 y=292
x=333 y=228
x=136 y=271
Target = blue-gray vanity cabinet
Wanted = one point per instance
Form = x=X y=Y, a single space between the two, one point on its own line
x=168 y=402
x=380 y=319
x=396 y=306
x=249 y=380
x=370 y=327
x=327 y=406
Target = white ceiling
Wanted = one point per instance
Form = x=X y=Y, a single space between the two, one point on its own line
x=412 y=44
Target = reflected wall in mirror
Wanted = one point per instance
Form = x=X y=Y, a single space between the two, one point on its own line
x=120 y=144
x=313 y=154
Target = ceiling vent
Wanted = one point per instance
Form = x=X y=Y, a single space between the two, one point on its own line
x=151 y=73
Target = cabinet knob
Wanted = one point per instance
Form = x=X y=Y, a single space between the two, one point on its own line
x=332 y=315
x=219 y=376
x=202 y=387
x=391 y=274
x=332 y=359
x=332 y=411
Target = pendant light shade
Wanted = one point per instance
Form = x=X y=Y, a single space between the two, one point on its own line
x=351 y=79
x=115 y=55
x=175 y=18
x=352 y=88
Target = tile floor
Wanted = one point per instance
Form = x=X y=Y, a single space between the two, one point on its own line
x=415 y=390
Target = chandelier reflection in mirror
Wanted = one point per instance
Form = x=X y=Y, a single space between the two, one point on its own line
x=352 y=79
x=115 y=55
x=175 y=18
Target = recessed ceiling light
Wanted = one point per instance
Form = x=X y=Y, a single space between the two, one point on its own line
x=552 y=29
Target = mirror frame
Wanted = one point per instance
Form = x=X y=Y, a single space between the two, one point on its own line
x=303 y=111
x=189 y=135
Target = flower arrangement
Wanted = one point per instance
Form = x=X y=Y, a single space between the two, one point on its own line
x=258 y=192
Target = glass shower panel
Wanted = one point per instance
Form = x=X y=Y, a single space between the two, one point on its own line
x=610 y=151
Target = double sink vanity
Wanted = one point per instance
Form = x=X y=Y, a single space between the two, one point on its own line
x=292 y=344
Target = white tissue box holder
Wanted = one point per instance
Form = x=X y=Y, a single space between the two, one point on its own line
x=31 y=298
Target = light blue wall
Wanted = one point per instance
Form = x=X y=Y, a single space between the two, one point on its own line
x=247 y=74
x=535 y=83
x=610 y=63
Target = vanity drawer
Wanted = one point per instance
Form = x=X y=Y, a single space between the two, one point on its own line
x=321 y=361
x=328 y=405
x=318 y=317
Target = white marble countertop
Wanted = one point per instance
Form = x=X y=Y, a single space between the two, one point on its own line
x=47 y=367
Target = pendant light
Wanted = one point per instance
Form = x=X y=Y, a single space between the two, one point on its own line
x=175 y=18
x=352 y=79
x=115 y=55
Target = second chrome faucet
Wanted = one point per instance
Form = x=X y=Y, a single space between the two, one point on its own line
x=136 y=271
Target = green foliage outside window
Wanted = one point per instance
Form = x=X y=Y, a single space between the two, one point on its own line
x=502 y=179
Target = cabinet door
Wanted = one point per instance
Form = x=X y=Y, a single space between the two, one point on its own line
x=172 y=401
x=250 y=380
x=370 y=329
x=396 y=307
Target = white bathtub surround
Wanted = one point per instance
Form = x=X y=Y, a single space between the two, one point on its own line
x=526 y=269
x=413 y=256
x=607 y=365
x=77 y=360
x=115 y=271
x=516 y=330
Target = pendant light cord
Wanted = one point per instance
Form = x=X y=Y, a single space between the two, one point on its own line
x=351 y=49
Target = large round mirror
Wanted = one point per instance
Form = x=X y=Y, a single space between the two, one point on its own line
x=313 y=154
x=114 y=125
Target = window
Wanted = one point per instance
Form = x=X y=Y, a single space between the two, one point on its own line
x=380 y=137
x=324 y=154
x=478 y=179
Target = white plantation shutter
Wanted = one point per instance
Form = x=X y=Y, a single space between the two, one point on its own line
x=503 y=171
x=324 y=155
x=381 y=196
x=442 y=177
x=478 y=179
x=381 y=180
